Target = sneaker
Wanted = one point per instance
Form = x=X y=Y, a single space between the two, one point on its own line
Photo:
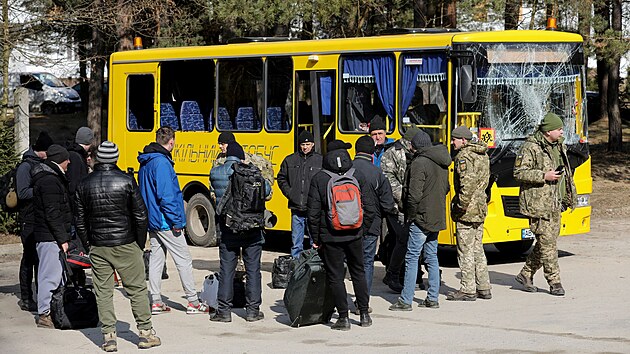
x=399 y=305
x=366 y=320
x=253 y=317
x=342 y=324
x=200 y=308
x=429 y=303
x=27 y=305
x=357 y=311
x=460 y=296
x=45 y=321
x=527 y=283
x=484 y=294
x=109 y=342
x=158 y=308
x=556 y=289
x=216 y=317
x=148 y=339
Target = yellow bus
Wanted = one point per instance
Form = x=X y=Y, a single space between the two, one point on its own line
x=266 y=90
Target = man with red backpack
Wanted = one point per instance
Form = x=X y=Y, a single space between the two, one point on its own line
x=337 y=211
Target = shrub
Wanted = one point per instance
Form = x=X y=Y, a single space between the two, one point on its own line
x=8 y=160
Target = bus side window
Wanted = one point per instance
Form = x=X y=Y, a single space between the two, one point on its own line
x=240 y=94
x=140 y=98
x=279 y=94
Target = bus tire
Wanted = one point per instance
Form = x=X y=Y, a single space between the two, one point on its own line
x=200 y=226
x=514 y=248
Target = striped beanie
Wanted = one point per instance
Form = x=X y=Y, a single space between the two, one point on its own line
x=107 y=152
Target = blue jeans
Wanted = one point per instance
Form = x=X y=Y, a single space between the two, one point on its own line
x=369 y=250
x=298 y=229
x=426 y=242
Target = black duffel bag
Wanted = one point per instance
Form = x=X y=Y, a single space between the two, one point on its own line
x=281 y=271
x=73 y=306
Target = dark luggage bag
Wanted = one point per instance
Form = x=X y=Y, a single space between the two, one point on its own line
x=73 y=306
x=281 y=271
x=308 y=298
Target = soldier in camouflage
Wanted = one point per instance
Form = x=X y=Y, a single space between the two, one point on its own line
x=469 y=210
x=547 y=188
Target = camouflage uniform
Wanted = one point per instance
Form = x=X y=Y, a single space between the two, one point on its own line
x=543 y=201
x=264 y=165
x=394 y=164
x=472 y=173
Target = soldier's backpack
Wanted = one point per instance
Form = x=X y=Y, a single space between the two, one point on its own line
x=243 y=205
x=8 y=191
x=345 y=210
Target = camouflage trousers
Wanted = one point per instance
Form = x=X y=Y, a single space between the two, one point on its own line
x=471 y=258
x=545 y=252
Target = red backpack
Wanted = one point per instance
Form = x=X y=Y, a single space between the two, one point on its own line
x=345 y=209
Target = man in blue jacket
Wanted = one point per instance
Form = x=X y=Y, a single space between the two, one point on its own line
x=167 y=219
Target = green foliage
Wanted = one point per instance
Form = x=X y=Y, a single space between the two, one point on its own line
x=8 y=160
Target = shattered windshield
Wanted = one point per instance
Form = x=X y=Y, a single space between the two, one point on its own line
x=518 y=83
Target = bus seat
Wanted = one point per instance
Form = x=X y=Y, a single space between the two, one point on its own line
x=224 y=122
x=245 y=119
x=168 y=117
x=192 y=119
x=133 y=122
x=274 y=118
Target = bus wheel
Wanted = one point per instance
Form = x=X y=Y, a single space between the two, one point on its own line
x=200 y=225
x=514 y=248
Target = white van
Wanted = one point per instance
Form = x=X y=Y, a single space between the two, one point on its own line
x=47 y=94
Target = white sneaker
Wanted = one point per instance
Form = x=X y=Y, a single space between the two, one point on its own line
x=201 y=308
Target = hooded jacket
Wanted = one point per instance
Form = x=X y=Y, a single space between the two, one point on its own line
x=52 y=204
x=24 y=188
x=160 y=189
x=294 y=177
x=78 y=169
x=378 y=190
x=336 y=161
x=472 y=174
x=426 y=186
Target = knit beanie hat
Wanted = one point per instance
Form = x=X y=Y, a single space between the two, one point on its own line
x=420 y=140
x=550 y=122
x=43 y=142
x=411 y=132
x=364 y=144
x=57 y=153
x=377 y=123
x=107 y=152
x=226 y=137
x=338 y=144
x=305 y=137
x=234 y=149
x=84 y=136
x=462 y=132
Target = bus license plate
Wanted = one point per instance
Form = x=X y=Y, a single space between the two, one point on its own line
x=527 y=234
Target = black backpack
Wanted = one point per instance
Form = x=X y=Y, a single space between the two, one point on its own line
x=8 y=191
x=243 y=205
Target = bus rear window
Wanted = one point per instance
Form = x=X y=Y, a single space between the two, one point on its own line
x=140 y=98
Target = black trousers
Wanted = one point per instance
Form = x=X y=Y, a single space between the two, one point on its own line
x=334 y=255
x=28 y=266
x=395 y=269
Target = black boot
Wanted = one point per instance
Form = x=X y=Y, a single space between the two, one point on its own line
x=342 y=324
x=366 y=320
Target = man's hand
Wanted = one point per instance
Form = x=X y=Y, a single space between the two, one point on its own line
x=552 y=175
x=64 y=247
x=315 y=246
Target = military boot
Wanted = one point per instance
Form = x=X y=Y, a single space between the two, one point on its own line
x=109 y=342
x=342 y=324
x=556 y=289
x=484 y=294
x=148 y=339
x=527 y=283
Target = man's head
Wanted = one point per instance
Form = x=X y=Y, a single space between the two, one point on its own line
x=224 y=139
x=552 y=127
x=107 y=152
x=84 y=137
x=421 y=140
x=364 y=145
x=235 y=149
x=305 y=139
x=378 y=130
x=409 y=134
x=460 y=136
x=42 y=144
x=59 y=155
x=165 y=136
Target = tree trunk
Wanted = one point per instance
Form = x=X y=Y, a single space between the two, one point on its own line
x=420 y=14
x=602 y=10
x=4 y=65
x=512 y=10
x=615 y=137
x=451 y=14
x=97 y=70
x=584 y=24
x=123 y=27
x=532 y=23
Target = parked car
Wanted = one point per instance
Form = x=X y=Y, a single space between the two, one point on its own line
x=46 y=93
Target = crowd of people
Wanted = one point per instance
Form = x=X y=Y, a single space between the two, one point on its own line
x=76 y=196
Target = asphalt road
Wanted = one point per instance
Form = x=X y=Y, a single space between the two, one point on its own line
x=593 y=317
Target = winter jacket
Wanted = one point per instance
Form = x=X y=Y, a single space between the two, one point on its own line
x=220 y=177
x=426 y=186
x=110 y=210
x=160 y=189
x=380 y=149
x=378 y=190
x=24 y=188
x=294 y=177
x=52 y=204
x=317 y=206
x=77 y=169
x=472 y=174
x=394 y=165
x=539 y=198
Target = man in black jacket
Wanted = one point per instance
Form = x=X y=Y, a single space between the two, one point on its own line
x=53 y=213
x=112 y=224
x=24 y=175
x=294 y=180
x=78 y=150
x=336 y=245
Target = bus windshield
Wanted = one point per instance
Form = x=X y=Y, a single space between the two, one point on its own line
x=518 y=83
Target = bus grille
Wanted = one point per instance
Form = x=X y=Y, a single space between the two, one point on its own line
x=510 y=207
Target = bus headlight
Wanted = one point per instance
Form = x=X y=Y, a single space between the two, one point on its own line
x=583 y=200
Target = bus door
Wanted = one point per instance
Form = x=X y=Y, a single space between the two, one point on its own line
x=315 y=106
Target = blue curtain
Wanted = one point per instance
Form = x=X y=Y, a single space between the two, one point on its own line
x=409 y=79
x=384 y=78
x=325 y=84
x=433 y=68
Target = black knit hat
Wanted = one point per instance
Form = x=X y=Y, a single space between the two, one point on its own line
x=226 y=137
x=57 y=153
x=43 y=142
x=337 y=145
x=420 y=140
x=377 y=123
x=305 y=137
x=364 y=144
x=234 y=149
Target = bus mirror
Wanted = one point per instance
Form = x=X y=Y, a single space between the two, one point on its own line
x=467 y=84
